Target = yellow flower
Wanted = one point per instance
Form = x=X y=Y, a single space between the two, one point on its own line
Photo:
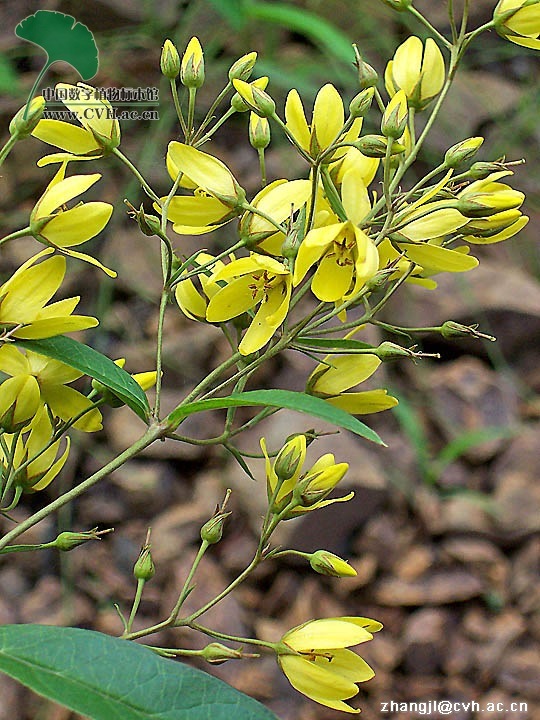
x=519 y=22
x=192 y=303
x=192 y=68
x=217 y=198
x=336 y=374
x=301 y=493
x=416 y=69
x=53 y=225
x=19 y=401
x=50 y=377
x=39 y=472
x=315 y=659
x=278 y=200
x=346 y=259
x=326 y=124
x=251 y=281
x=24 y=312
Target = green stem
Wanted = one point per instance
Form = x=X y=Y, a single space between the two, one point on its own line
x=433 y=30
x=262 y=166
x=191 y=113
x=186 y=589
x=214 y=128
x=137 y=174
x=210 y=114
x=136 y=603
x=159 y=350
x=230 y=638
x=35 y=87
x=179 y=113
x=152 y=433
x=8 y=147
x=18 y=234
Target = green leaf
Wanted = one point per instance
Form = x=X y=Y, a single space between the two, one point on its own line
x=300 y=402
x=62 y=38
x=92 y=363
x=105 y=678
x=299 y=20
x=232 y=10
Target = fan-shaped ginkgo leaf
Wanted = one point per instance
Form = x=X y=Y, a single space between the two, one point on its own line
x=62 y=38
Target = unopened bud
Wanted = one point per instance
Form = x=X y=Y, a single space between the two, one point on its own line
x=360 y=104
x=149 y=224
x=20 y=127
x=481 y=170
x=216 y=653
x=380 y=279
x=374 y=146
x=326 y=563
x=367 y=75
x=462 y=151
x=67 y=541
x=237 y=101
x=170 y=60
x=394 y=120
x=243 y=67
x=212 y=530
x=192 y=67
x=256 y=99
x=290 y=458
x=259 y=131
x=144 y=568
x=451 y=329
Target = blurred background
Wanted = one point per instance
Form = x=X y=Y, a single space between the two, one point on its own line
x=443 y=529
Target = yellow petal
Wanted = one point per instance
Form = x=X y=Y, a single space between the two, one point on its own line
x=296 y=120
x=77 y=225
x=66 y=403
x=314 y=680
x=346 y=372
x=326 y=634
x=364 y=403
x=68 y=137
x=439 y=259
x=328 y=116
x=232 y=300
x=60 y=193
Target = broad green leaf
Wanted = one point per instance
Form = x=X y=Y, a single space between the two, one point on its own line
x=302 y=21
x=300 y=402
x=327 y=344
x=62 y=38
x=92 y=363
x=105 y=678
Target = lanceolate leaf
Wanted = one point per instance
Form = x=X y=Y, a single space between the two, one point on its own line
x=326 y=344
x=300 y=402
x=62 y=38
x=104 y=678
x=92 y=363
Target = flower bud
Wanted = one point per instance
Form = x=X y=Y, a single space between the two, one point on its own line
x=326 y=563
x=462 y=151
x=216 y=653
x=360 y=104
x=243 y=67
x=237 y=101
x=367 y=75
x=482 y=170
x=451 y=329
x=212 y=530
x=148 y=224
x=192 y=67
x=395 y=116
x=259 y=131
x=290 y=457
x=390 y=351
x=374 y=146
x=258 y=100
x=144 y=568
x=170 y=60
x=67 y=541
x=20 y=126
